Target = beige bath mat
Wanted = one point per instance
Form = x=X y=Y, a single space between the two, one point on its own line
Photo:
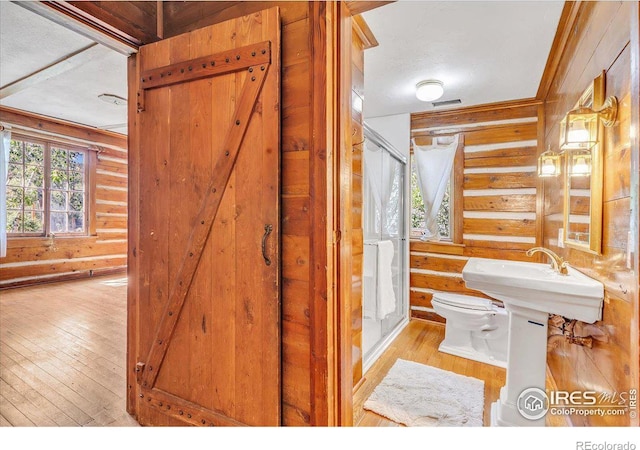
x=414 y=394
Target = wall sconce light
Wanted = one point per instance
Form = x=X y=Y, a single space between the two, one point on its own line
x=549 y=164
x=579 y=128
x=580 y=163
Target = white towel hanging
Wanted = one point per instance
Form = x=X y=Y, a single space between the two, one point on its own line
x=386 y=298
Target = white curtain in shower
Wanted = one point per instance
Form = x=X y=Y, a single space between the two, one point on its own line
x=379 y=165
x=433 y=167
x=5 y=142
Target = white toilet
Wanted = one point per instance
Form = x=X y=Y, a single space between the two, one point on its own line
x=476 y=328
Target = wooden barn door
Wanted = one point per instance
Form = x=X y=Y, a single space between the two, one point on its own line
x=207 y=315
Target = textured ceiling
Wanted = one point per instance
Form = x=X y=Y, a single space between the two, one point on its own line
x=483 y=51
x=29 y=43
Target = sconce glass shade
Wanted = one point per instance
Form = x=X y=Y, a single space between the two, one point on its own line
x=580 y=163
x=579 y=129
x=549 y=164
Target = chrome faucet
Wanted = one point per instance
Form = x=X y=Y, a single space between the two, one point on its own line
x=557 y=263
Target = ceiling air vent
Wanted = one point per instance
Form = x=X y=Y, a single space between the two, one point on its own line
x=446 y=103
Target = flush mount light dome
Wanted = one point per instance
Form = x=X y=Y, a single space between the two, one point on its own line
x=113 y=99
x=429 y=90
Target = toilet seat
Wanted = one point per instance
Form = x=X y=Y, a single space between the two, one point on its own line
x=463 y=301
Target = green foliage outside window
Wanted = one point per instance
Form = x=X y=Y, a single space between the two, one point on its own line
x=25 y=188
x=418 y=209
x=27 y=184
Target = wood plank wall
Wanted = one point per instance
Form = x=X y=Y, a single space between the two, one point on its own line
x=499 y=216
x=303 y=190
x=600 y=40
x=33 y=260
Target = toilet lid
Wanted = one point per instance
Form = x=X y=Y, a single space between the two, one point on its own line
x=463 y=301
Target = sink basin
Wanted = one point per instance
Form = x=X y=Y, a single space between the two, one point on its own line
x=537 y=286
x=530 y=292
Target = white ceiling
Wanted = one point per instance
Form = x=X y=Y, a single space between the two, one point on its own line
x=483 y=51
x=29 y=43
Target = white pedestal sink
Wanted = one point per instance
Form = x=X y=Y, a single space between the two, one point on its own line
x=530 y=292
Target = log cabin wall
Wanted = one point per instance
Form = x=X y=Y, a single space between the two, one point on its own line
x=33 y=260
x=306 y=375
x=599 y=39
x=495 y=207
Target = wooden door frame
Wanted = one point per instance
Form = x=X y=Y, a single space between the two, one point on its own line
x=332 y=85
x=330 y=215
x=133 y=232
x=343 y=192
x=326 y=302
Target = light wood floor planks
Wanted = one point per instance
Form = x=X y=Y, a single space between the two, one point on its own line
x=62 y=354
x=63 y=348
x=419 y=342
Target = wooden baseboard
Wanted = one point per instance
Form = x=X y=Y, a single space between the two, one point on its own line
x=427 y=316
x=359 y=384
x=67 y=277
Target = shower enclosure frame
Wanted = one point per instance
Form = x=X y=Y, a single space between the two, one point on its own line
x=371 y=356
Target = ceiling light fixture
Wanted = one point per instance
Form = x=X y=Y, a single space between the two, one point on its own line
x=429 y=90
x=113 y=99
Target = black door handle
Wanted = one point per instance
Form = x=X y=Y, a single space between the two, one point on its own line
x=267 y=231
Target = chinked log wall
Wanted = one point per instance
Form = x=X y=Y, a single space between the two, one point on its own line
x=499 y=217
x=32 y=260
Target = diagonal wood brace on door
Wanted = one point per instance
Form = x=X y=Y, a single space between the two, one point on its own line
x=204 y=220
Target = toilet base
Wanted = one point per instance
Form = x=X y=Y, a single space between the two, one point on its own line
x=470 y=353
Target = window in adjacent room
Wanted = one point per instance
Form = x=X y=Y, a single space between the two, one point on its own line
x=46 y=188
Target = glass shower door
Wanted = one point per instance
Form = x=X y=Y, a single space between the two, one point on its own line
x=384 y=291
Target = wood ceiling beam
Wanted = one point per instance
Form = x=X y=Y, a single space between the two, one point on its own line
x=359 y=6
x=65 y=64
x=511 y=109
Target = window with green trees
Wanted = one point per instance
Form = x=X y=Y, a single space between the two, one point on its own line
x=46 y=188
x=445 y=213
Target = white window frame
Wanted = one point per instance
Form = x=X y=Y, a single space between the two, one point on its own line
x=48 y=145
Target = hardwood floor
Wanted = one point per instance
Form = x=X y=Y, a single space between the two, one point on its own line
x=63 y=347
x=62 y=354
x=419 y=342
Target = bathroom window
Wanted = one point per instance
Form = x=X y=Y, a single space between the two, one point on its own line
x=445 y=214
x=46 y=188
